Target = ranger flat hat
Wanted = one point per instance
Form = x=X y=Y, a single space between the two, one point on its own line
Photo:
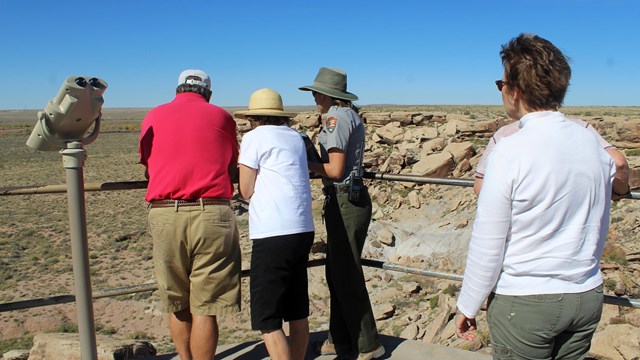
x=264 y=102
x=332 y=82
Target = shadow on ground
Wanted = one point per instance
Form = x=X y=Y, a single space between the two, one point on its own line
x=396 y=348
x=256 y=350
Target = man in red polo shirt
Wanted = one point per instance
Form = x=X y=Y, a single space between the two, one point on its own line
x=190 y=151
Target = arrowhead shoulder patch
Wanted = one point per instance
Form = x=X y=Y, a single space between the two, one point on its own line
x=331 y=124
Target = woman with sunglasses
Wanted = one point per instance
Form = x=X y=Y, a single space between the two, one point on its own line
x=347 y=213
x=542 y=218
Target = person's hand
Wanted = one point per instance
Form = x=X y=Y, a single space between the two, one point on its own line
x=465 y=326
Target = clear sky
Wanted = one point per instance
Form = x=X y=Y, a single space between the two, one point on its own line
x=418 y=52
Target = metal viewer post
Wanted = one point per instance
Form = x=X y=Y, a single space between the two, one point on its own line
x=73 y=158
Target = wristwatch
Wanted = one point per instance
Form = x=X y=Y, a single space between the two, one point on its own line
x=622 y=195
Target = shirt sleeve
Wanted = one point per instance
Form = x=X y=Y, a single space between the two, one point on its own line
x=249 y=149
x=604 y=143
x=504 y=131
x=482 y=164
x=232 y=131
x=489 y=234
x=338 y=128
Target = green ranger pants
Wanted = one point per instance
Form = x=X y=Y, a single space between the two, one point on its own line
x=352 y=327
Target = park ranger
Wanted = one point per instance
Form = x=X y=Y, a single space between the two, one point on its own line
x=347 y=213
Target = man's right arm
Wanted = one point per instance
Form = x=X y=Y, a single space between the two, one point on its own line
x=144 y=147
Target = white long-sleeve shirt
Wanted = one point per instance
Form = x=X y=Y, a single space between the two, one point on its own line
x=511 y=129
x=543 y=213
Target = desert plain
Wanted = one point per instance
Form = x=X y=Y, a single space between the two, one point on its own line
x=415 y=225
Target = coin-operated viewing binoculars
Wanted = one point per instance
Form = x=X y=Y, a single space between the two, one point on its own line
x=69 y=115
x=63 y=125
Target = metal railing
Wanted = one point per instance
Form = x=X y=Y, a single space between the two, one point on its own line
x=132 y=185
x=148 y=287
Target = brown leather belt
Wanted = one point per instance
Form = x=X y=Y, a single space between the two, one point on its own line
x=196 y=202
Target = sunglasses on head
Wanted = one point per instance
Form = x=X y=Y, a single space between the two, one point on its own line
x=500 y=84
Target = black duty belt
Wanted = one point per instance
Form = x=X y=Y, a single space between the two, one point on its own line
x=332 y=189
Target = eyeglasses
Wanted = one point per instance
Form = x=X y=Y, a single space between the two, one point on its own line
x=500 y=84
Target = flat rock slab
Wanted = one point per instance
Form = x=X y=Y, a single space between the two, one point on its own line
x=396 y=348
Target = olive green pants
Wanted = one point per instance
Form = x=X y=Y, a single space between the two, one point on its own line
x=546 y=326
x=352 y=327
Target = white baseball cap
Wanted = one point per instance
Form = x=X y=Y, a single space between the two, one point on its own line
x=195 y=77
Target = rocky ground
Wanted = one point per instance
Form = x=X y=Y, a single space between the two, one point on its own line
x=417 y=226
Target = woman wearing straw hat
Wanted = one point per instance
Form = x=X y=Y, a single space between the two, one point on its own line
x=347 y=214
x=274 y=175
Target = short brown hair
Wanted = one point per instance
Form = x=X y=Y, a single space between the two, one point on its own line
x=538 y=69
x=257 y=120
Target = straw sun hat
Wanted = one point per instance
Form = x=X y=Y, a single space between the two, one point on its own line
x=332 y=82
x=264 y=102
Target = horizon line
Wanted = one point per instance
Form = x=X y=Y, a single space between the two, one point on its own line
x=360 y=106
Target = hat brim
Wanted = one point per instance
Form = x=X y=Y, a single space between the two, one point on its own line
x=246 y=113
x=331 y=92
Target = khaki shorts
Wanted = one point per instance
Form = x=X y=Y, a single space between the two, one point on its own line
x=196 y=253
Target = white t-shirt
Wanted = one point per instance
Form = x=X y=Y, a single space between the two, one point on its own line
x=543 y=213
x=281 y=202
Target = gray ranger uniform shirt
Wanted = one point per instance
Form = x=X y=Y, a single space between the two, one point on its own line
x=343 y=129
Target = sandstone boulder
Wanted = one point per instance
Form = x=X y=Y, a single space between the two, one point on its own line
x=616 y=342
x=376 y=118
x=243 y=125
x=15 y=355
x=66 y=346
x=432 y=146
x=391 y=133
x=457 y=117
x=462 y=167
x=629 y=130
x=439 y=165
x=414 y=199
x=383 y=311
x=411 y=152
x=460 y=151
x=410 y=332
x=386 y=237
x=394 y=163
x=421 y=133
x=308 y=120
x=403 y=117
x=451 y=128
x=439 y=322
